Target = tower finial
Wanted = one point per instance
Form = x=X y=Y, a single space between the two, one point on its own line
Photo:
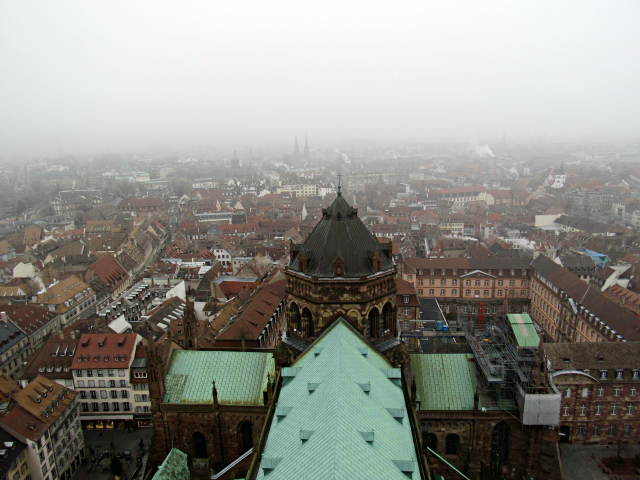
x=339 y=184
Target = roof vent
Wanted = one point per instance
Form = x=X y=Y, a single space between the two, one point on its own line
x=305 y=435
x=269 y=463
x=317 y=351
x=282 y=412
x=397 y=413
x=368 y=436
x=364 y=351
x=312 y=387
x=405 y=466
x=366 y=387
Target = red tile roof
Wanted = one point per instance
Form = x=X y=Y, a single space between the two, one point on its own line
x=105 y=350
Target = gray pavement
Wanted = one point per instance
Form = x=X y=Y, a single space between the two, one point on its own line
x=102 y=440
x=578 y=462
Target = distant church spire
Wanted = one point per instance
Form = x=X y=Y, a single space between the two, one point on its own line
x=307 y=157
x=296 y=152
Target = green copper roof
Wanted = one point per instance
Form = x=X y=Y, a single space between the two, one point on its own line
x=240 y=377
x=444 y=381
x=341 y=232
x=523 y=329
x=174 y=467
x=340 y=430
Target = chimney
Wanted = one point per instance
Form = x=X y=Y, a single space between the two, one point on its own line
x=3 y=317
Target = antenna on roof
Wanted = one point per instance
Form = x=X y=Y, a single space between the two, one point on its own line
x=339 y=185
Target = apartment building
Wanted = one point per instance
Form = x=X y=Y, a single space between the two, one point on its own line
x=36 y=323
x=461 y=284
x=102 y=373
x=14 y=347
x=13 y=458
x=70 y=298
x=570 y=310
x=45 y=417
x=599 y=384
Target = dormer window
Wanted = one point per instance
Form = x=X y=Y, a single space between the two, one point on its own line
x=432 y=271
x=406 y=298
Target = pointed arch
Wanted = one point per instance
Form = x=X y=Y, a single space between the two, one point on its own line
x=246 y=437
x=500 y=446
x=199 y=445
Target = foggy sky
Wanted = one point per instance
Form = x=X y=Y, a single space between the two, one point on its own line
x=114 y=76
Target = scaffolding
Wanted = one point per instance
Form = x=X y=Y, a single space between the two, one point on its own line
x=504 y=371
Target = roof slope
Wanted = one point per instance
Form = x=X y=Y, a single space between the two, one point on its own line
x=240 y=377
x=444 y=381
x=351 y=433
x=174 y=467
x=523 y=329
x=340 y=232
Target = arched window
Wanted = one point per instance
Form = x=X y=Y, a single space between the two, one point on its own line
x=295 y=321
x=199 y=446
x=452 y=444
x=430 y=440
x=387 y=321
x=373 y=325
x=246 y=436
x=307 y=324
x=500 y=446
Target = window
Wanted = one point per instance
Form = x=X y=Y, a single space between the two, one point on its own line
x=406 y=312
x=567 y=392
x=85 y=407
x=467 y=293
x=431 y=291
x=630 y=409
x=123 y=383
x=420 y=291
x=616 y=391
x=116 y=406
x=78 y=373
x=596 y=430
x=452 y=442
x=92 y=383
x=612 y=429
x=105 y=406
x=420 y=281
x=83 y=394
x=102 y=383
x=94 y=394
x=477 y=283
x=121 y=373
x=633 y=391
x=603 y=374
x=635 y=375
x=454 y=292
x=125 y=394
x=467 y=283
x=137 y=397
x=432 y=282
x=565 y=411
x=627 y=430
x=585 y=392
x=598 y=409
x=583 y=410
x=112 y=383
x=523 y=293
x=443 y=282
x=581 y=430
x=110 y=373
x=125 y=406
x=409 y=277
x=103 y=394
x=500 y=283
x=601 y=391
x=405 y=299
x=454 y=282
x=80 y=383
x=619 y=374
x=524 y=283
x=499 y=293
x=95 y=407
x=614 y=409
x=477 y=293
x=101 y=373
x=114 y=394
x=443 y=292
x=486 y=293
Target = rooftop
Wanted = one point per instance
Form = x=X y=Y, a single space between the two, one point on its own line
x=444 y=381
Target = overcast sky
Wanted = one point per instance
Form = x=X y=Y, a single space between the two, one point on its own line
x=122 y=76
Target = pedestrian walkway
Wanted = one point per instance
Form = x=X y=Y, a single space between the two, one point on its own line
x=107 y=441
x=582 y=462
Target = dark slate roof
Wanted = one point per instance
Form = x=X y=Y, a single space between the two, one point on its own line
x=429 y=309
x=341 y=232
x=593 y=356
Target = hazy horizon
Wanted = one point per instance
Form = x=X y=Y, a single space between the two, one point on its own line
x=96 y=77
